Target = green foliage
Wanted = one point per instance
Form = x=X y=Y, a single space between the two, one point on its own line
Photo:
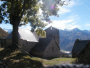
x=26 y=9
x=20 y=12
x=50 y=7
x=3 y=12
x=16 y=59
x=41 y=32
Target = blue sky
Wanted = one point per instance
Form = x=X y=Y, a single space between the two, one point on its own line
x=74 y=15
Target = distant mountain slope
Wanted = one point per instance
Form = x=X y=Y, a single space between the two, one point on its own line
x=3 y=34
x=7 y=30
x=68 y=37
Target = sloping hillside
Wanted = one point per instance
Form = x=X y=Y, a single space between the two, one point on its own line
x=67 y=38
x=3 y=34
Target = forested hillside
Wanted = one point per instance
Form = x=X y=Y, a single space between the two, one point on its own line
x=3 y=34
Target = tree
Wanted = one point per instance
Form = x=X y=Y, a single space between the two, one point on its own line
x=40 y=32
x=25 y=11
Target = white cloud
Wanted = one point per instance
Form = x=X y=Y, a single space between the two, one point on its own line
x=88 y=24
x=69 y=23
x=27 y=26
x=74 y=26
x=71 y=3
x=40 y=11
x=66 y=8
x=73 y=16
x=63 y=10
x=64 y=24
x=1 y=2
x=60 y=24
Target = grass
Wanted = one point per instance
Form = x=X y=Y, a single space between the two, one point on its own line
x=55 y=61
x=1 y=49
x=16 y=59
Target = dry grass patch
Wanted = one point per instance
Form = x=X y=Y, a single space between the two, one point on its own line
x=1 y=49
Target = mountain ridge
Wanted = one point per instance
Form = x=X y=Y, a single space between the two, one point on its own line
x=68 y=37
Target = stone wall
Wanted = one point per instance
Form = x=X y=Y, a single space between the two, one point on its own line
x=8 y=42
x=37 y=54
x=73 y=55
x=26 y=45
x=3 y=42
x=56 y=38
x=84 y=56
x=52 y=50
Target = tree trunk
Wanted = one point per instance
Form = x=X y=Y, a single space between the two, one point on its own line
x=15 y=23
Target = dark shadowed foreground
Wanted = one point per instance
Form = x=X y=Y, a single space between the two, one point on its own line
x=16 y=59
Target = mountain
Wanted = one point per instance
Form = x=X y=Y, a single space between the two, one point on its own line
x=65 y=52
x=68 y=37
x=3 y=34
x=76 y=30
x=7 y=30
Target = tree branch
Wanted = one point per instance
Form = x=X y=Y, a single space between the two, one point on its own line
x=12 y=7
x=23 y=9
x=17 y=7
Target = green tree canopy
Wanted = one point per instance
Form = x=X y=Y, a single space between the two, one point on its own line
x=23 y=11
